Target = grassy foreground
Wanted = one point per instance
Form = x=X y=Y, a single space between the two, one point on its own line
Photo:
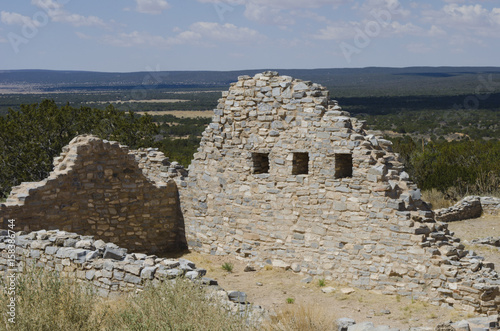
x=44 y=301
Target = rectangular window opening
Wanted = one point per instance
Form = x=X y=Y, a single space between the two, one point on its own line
x=260 y=163
x=300 y=164
x=343 y=165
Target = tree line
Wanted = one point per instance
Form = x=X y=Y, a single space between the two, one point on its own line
x=456 y=168
x=33 y=135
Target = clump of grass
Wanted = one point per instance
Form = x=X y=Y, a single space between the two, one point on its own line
x=321 y=282
x=227 y=266
x=301 y=317
x=436 y=198
x=44 y=301
x=179 y=305
x=290 y=300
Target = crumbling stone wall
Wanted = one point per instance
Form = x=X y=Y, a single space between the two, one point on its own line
x=106 y=265
x=109 y=268
x=469 y=207
x=284 y=176
x=491 y=205
x=100 y=188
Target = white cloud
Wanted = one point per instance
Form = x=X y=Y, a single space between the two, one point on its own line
x=276 y=12
x=370 y=28
x=225 y=32
x=136 y=38
x=393 y=6
x=338 y=31
x=280 y=4
x=436 y=31
x=397 y=28
x=199 y=33
x=17 y=19
x=153 y=7
x=419 y=48
x=56 y=12
x=267 y=15
x=471 y=20
x=78 y=20
x=82 y=35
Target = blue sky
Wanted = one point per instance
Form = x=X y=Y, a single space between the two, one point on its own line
x=144 y=35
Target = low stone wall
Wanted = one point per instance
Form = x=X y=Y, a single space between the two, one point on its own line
x=101 y=188
x=490 y=205
x=469 y=207
x=106 y=266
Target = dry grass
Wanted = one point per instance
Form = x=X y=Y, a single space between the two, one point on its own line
x=302 y=317
x=44 y=301
x=436 y=198
x=179 y=305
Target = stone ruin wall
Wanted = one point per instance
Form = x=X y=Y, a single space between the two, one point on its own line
x=283 y=176
x=101 y=188
x=109 y=269
x=106 y=265
x=469 y=207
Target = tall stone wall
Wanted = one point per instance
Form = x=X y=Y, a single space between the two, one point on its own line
x=101 y=188
x=284 y=176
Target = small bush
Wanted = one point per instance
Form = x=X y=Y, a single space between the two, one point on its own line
x=290 y=300
x=227 y=267
x=321 y=282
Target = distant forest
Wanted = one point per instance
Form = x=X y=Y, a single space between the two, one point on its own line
x=444 y=122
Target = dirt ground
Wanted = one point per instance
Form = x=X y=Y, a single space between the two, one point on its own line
x=485 y=226
x=275 y=288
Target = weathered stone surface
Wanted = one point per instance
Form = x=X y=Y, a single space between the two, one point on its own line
x=237 y=296
x=328 y=289
x=468 y=207
x=101 y=188
x=114 y=253
x=283 y=177
x=287 y=178
x=344 y=322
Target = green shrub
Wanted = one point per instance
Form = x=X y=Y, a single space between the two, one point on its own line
x=227 y=267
